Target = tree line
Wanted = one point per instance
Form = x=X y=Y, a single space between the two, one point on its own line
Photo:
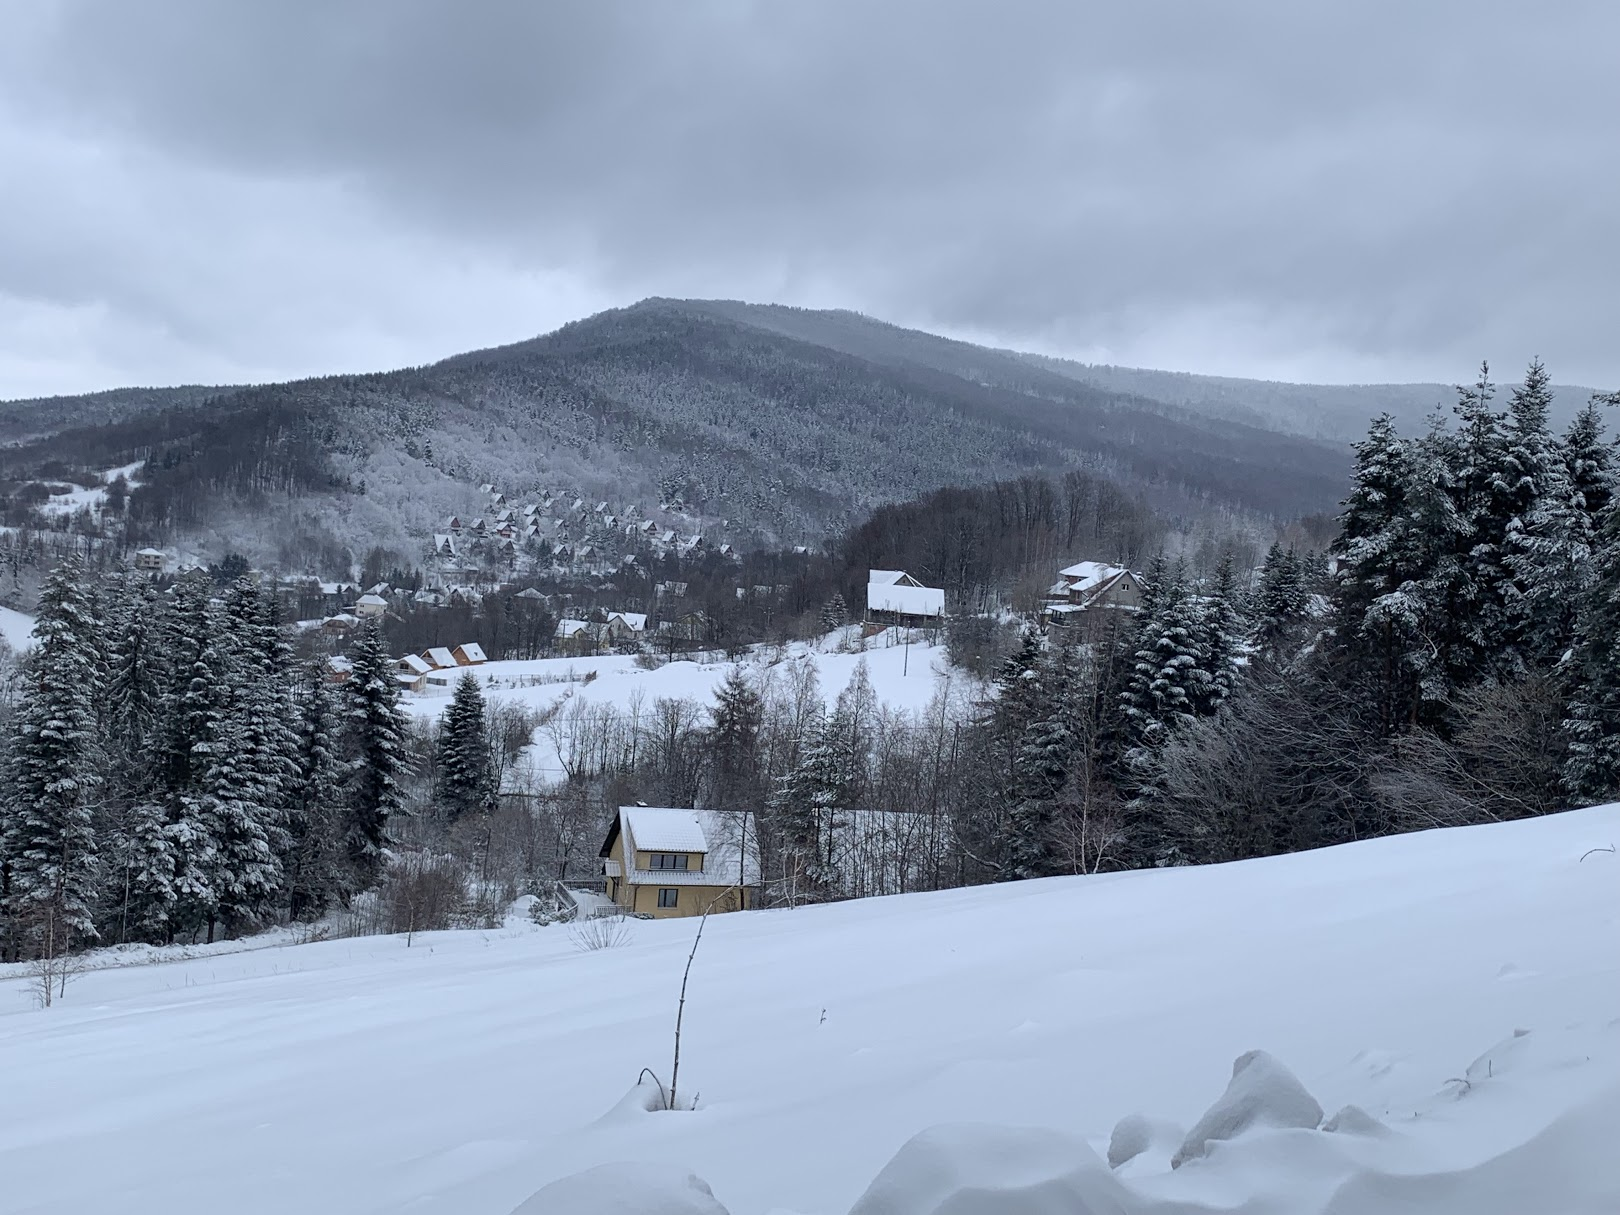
x=175 y=774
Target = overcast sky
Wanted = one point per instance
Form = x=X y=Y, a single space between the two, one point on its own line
x=218 y=192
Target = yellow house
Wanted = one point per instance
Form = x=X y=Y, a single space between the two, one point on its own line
x=666 y=863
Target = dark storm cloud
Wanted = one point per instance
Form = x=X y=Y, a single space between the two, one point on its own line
x=1371 y=190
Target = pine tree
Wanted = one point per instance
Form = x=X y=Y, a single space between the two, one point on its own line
x=1221 y=629
x=1280 y=600
x=834 y=613
x=376 y=755
x=1592 y=770
x=1046 y=753
x=1478 y=637
x=1534 y=543
x=734 y=760
x=48 y=840
x=1554 y=564
x=1169 y=676
x=465 y=781
x=314 y=867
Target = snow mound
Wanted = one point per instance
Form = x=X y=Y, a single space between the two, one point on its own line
x=1353 y=1120
x=1139 y=1137
x=969 y=1169
x=625 y=1189
x=1262 y=1092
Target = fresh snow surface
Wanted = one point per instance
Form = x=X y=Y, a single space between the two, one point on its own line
x=904 y=678
x=17 y=629
x=1453 y=996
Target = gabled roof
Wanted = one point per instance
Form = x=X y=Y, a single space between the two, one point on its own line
x=635 y=621
x=414 y=663
x=572 y=628
x=371 y=601
x=890 y=578
x=439 y=656
x=472 y=651
x=659 y=830
x=905 y=600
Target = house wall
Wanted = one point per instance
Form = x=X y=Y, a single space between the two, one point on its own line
x=693 y=900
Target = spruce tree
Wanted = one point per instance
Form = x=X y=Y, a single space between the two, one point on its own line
x=834 y=613
x=734 y=760
x=1221 y=630
x=465 y=786
x=1554 y=564
x=376 y=755
x=1046 y=752
x=49 y=841
x=315 y=861
x=1592 y=770
x=1169 y=677
x=1280 y=600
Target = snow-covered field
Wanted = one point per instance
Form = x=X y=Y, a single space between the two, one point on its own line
x=904 y=678
x=469 y=1070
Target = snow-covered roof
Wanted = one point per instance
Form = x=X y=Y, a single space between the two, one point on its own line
x=371 y=601
x=439 y=656
x=414 y=663
x=472 y=651
x=572 y=628
x=149 y=552
x=906 y=600
x=884 y=577
x=1084 y=575
x=658 y=830
x=636 y=621
x=725 y=838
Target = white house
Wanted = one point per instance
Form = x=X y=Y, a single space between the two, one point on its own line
x=370 y=605
x=149 y=559
x=895 y=597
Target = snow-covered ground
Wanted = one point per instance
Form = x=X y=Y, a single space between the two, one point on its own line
x=904 y=678
x=1461 y=988
x=91 y=496
x=16 y=628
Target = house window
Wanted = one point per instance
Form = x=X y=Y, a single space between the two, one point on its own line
x=667 y=896
x=670 y=860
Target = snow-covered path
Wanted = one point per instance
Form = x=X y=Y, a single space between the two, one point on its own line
x=465 y=1072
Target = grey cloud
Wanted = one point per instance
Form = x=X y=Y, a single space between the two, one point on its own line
x=1378 y=190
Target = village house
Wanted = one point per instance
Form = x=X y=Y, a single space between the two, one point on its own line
x=667 y=863
x=1089 y=591
x=622 y=627
x=370 y=605
x=575 y=636
x=338 y=669
x=413 y=666
x=340 y=625
x=150 y=559
x=468 y=654
x=439 y=657
x=895 y=597
x=444 y=545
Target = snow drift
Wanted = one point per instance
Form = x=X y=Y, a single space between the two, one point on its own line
x=1452 y=996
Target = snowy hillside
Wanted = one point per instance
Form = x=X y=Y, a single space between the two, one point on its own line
x=469 y=1070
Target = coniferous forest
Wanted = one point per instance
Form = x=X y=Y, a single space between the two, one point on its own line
x=1449 y=659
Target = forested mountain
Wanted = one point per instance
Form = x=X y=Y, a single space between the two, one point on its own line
x=1330 y=411
x=743 y=421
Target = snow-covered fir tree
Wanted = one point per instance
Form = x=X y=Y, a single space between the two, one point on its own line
x=315 y=859
x=464 y=770
x=48 y=841
x=376 y=754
